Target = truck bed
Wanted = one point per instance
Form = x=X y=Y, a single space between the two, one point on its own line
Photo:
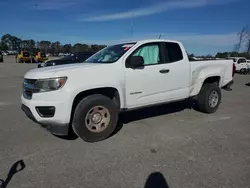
x=200 y=69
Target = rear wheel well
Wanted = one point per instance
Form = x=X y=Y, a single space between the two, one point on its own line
x=211 y=80
x=109 y=92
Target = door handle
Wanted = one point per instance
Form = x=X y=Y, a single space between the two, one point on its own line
x=164 y=71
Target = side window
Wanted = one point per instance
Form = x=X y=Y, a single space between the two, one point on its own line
x=173 y=52
x=150 y=53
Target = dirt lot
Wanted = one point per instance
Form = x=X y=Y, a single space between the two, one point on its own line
x=169 y=145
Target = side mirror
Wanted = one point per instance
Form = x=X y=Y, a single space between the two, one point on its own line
x=135 y=62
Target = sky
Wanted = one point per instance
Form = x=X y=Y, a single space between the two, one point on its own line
x=203 y=26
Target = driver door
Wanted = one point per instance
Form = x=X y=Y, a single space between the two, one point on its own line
x=146 y=85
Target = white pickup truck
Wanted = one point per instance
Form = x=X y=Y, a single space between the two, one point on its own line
x=88 y=97
x=241 y=64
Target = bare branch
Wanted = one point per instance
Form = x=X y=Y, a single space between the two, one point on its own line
x=244 y=36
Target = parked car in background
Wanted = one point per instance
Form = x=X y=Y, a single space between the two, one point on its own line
x=5 y=53
x=23 y=57
x=88 y=97
x=61 y=54
x=1 y=57
x=241 y=64
x=77 y=57
x=11 y=52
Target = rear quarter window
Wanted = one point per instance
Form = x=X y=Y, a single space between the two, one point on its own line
x=173 y=52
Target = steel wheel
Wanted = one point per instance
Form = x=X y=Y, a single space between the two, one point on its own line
x=97 y=119
x=213 y=99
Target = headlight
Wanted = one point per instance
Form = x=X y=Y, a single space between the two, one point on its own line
x=51 y=84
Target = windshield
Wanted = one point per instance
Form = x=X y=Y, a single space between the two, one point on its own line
x=43 y=55
x=110 y=54
x=26 y=54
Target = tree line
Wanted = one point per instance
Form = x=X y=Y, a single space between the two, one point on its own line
x=232 y=54
x=10 y=42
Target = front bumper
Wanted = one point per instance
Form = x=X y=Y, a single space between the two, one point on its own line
x=54 y=128
x=58 y=124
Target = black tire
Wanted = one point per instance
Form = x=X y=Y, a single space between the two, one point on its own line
x=245 y=71
x=203 y=98
x=79 y=125
x=242 y=71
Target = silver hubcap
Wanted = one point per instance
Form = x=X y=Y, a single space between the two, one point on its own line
x=213 y=99
x=97 y=119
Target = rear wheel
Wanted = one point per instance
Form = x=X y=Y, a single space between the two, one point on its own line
x=209 y=98
x=95 y=118
x=242 y=71
x=245 y=71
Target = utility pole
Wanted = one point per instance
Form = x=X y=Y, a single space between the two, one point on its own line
x=132 y=25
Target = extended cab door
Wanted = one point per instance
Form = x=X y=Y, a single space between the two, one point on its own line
x=164 y=76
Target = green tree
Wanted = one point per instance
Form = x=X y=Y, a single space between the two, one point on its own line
x=85 y=48
x=77 y=47
x=44 y=45
x=55 y=47
x=234 y=54
x=219 y=55
x=66 y=48
x=6 y=39
x=3 y=46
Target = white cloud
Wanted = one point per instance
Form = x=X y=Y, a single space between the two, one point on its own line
x=154 y=9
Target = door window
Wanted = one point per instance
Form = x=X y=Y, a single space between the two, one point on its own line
x=173 y=52
x=150 y=54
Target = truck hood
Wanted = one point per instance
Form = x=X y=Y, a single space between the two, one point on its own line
x=47 y=72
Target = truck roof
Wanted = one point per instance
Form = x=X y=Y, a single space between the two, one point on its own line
x=157 y=40
x=150 y=40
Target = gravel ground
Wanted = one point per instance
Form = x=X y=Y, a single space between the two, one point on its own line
x=166 y=146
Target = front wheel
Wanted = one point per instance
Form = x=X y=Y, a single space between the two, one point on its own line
x=246 y=71
x=209 y=98
x=95 y=118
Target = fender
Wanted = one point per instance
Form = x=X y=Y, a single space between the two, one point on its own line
x=116 y=86
x=201 y=74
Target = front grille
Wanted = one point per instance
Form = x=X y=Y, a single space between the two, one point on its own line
x=28 y=87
